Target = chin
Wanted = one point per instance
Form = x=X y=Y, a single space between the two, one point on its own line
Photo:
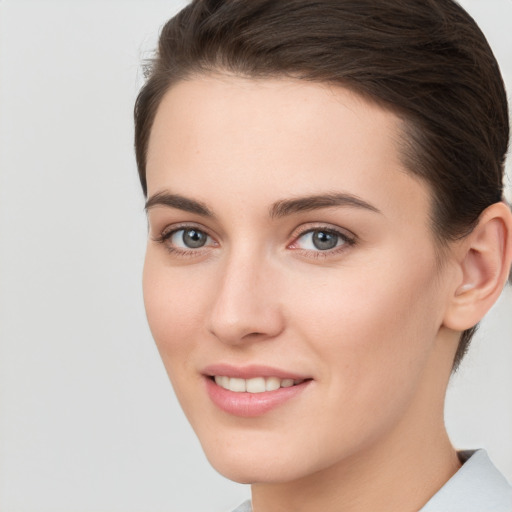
x=246 y=464
x=250 y=471
x=241 y=465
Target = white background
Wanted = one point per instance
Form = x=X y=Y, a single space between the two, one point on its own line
x=88 y=421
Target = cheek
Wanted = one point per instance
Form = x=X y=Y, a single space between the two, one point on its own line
x=174 y=309
x=374 y=330
x=366 y=307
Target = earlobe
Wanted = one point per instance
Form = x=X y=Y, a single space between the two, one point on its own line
x=484 y=262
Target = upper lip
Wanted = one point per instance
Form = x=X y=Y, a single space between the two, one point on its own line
x=250 y=371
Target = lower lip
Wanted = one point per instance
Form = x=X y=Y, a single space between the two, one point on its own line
x=250 y=405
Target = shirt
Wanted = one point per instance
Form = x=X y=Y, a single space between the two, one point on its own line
x=477 y=487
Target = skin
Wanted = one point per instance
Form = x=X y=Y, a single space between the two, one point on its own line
x=365 y=320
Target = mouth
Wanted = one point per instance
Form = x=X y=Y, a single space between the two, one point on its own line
x=255 y=384
x=252 y=391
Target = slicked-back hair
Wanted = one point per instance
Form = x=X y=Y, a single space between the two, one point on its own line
x=426 y=60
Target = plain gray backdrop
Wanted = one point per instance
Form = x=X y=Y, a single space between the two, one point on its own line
x=88 y=420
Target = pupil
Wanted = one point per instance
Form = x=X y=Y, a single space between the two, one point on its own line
x=323 y=240
x=193 y=239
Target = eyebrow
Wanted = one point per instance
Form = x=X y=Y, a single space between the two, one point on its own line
x=178 y=202
x=279 y=209
x=316 y=202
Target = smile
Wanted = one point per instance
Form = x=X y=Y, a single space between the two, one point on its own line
x=253 y=396
x=254 y=385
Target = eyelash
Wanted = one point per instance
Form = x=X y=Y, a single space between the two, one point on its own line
x=347 y=241
x=343 y=237
x=167 y=234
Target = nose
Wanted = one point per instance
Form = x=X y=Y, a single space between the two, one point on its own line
x=246 y=303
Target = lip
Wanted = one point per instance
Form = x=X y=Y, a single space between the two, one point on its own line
x=250 y=405
x=250 y=371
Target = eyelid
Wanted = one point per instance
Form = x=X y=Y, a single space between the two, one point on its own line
x=347 y=237
x=169 y=229
x=167 y=232
x=325 y=226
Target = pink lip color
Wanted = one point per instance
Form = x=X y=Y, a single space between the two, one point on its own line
x=251 y=371
x=249 y=405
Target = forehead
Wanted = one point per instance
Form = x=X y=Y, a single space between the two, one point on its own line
x=264 y=139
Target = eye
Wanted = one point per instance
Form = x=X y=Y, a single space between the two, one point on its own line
x=189 y=238
x=185 y=240
x=321 y=239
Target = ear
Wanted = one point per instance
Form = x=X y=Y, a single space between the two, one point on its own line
x=484 y=264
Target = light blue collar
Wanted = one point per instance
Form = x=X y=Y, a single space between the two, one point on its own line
x=477 y=487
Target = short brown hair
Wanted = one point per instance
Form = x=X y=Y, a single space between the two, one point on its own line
x=427 y=60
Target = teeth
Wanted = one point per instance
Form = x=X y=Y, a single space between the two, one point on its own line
x=272 y=383
x=238 y=385
x=254 y=385
x=223 y=382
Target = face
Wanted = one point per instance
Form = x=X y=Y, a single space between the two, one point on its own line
x=290 y=281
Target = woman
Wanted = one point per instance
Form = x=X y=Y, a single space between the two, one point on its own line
x=324 y=187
